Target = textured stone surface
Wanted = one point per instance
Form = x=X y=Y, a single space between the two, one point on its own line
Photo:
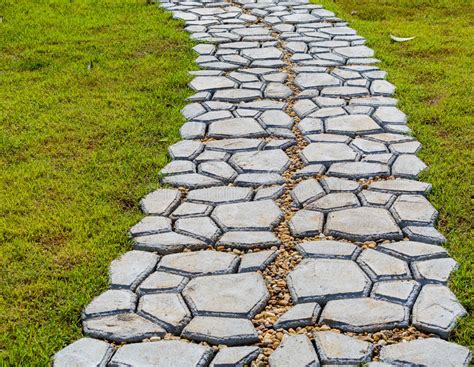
x=131 y=268
x=300 y=315
x=306 y=191
x=413 y=210
x=253 y=261
x=328 y=249
x=151 y=225
x=334 y=201
x=434 y=270
x=220 y=195
x=160 y=202
x=306 y=223
x=201 y=228
x=111 y=302
x=335 y=348
x=235 y=356
x=327 y=153
x=398 y=291
x=168 y=242
x=84 y=352
x=294 y=350
x=380 y=266
x=162 y=282
x=411 y=250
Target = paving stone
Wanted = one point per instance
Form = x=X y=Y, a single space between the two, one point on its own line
x=243 y=127
x=334 y=201
x=382 y=88
x=248 y=239
x=327 y=153
x=315 y=80
x=357 y=170
x=362 y=224
x=377 y=199
x=306 y=223
x=204 y=49
x=262 y=215
x=294 y=350
x=424 y=234
x=198 y=263
x=352 y=125
x=408 y=165
x=328 y=249
x=167 y=243
x=254 y=261
x=389 y=115
x=122 y=328
x=321 y=280
x=277 y=90
x=230 y=295
x=160 y=281
x=211 y=83
x=431 y=352
x=220 y=195
x=310 y=170
x=401 y=186
x=191 y=181
x=364 y=314
x=336 y=184
x=397 y=291
x=201 y=228
x=220 y=330
x=434 y=270
x=166 y=309
x=306 y=191
x=300 y=315
x=160 y=202
x=344 y=91
x=131 y=268
x=411 y=250
x=354 y=51
x=304 y=107
x=185 y=149
x=84 y=352
x=235 y=356
x=192 y=110
x=413 y=210
x=151 y=225
x=192 y=130
x=178 y=167
x=380 y=266
x=310 y=125
x=368 y=146
x=215 y=115
x=186 y=210
x=335 y=348
x=212 y=155
x=410 y=147
x=270 y=192
x=110 y=302
x=274 y=118
x=163 y=353
x=274 y=160
x=236 y=95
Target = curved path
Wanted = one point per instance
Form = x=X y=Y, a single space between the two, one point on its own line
x=294 y=232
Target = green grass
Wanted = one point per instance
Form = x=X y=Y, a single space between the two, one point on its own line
x=79 y=146
x=434 y=79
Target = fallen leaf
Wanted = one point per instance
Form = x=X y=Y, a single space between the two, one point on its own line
x=401 y=39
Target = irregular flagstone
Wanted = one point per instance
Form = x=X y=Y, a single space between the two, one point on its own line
x=167 y=243
x=300 y=315
x=271 y=192
x=220 y=195
x=413 y=210
x=334 y=201
x=163 y=353
x=380 y=266
x=111 y=302
x=357 y=170
x=328 y=249
x=294 y=350
x=434 y=270
x=248 y=239
x=401 y=186
x=151 y=225
x=327 y=153
x=162 y=282
x=84 y=352
x=221 y=330
x=244 y=127
x=253 y=261
x=397 y=291
x=235 y=356
x=160 y=202
x=191 y=181
x=352 y=125
x=424 y=234
x=261 y=161
x=376 y=199
x=187 y=209
x=436 y=310
x=335 y=348
x=426 y=352
x=202 y=228
x=336 y=184
x=131 y=268
x=411 y=250
x=408 y=165
x=306 y=223
x=306 y=191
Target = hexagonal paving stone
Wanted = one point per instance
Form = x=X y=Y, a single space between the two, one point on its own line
x=84 y=352
x=185 y=149
x=334 y=201
x=328 y=249
x=300 y=315
x=151 y=225
x=427 y=234
x=160 y=202
x=220 y=195
x=167 y=309
x=397 y=291
x=381 y=266
x=235 y=295
x=122 y=328
x=327 y=153
x=235 y=356
x=305 y=223
x=198 y=263
x=131 y=268
x=434 y=270
x=320 y=280
x=274 y=160
x=256 y=215
x=201 y=228
x=335 y=348
x=294 y=350
x=362 y=224
x=436 y=310
x=163 y=353
x=364 y=314
x=110 y=302
x=352 y=125
x=221 y=330
x=431 y=352
x=167 y=243
x=413 y=210
x=162 y=282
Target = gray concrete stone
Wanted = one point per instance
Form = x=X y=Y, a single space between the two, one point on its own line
x=192 y=110
x=131 y=268
x=310 y=171
x=335 y=348
x=187 y=209
x=162 y=282
x=300 y=315
x=357 y=170
x=315 y=80
x=166 y=309
x=336 y=184
x=220 y=195
x=397 y=291
x=344 y=92
x=160 y=202
x=235 y=356
x=211 y=83
x=84 y=352
x=236 y=95
x=321 y=280
x=408 y=165
x=389 y=115
x=294 y=350
x=306 y=192
x=254 y=261
x=368 y=146
x=201 y=228
x=410 y=147
x=401 y=186
x=274 y=160
x=310 y=125
x=235 y=145
x=277 y=91
x=218 y=170
x=352 y=125
x=334 y=201
x=364 y=314
x=167 y=243
x=376 y=199
x=424 y=234
x=230 y=295
x=198 y=263
x=411 y=250
x=380 y=266
x=262 y=215
x=327 y=153
x=434 y=270
x=259 y=179
x=248 y=239
x=122 y=328
x=110 y=302
x=185 y=149
x=191 y=181
x=151 y=225
x=262 y=53
x=413 y=210
x=270 y=192
x=436 y=310
x=362 y=224
x=306 y=223
x=163 y=353
x=431 y=352
x=328 y=249
x=245 y=127
x=178 y=167
x=275 y=118
x=221 y=330
x=382 y=88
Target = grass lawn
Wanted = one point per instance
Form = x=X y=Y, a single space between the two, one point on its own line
x=90 y=93
x=79 y=147
x=434 y=79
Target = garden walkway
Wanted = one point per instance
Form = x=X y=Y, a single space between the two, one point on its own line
x=295 y=231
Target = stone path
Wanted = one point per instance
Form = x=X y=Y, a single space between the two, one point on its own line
x=294 y=232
